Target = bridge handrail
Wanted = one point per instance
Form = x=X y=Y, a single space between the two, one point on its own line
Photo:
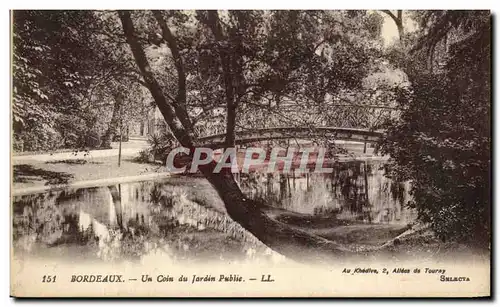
x=376 y=133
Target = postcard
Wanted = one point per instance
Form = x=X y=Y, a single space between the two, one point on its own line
x=251 y=153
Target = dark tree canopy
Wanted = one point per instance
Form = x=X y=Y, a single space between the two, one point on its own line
x=442 y=143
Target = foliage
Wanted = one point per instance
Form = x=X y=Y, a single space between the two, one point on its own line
x=41 y=137
x=143 y=157
x=65 y=71
x=285 y=70
x=51 y=53
x=442 y=141
x=160 y=144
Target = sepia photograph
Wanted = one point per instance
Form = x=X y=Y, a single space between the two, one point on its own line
x=250 y=153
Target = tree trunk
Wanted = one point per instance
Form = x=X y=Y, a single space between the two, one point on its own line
x=399 y=24
x=113 y=125
x=291 y=242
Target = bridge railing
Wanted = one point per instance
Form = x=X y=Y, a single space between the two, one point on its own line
x=280 y=133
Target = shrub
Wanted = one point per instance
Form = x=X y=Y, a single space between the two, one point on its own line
x=42 y=138
x=145 y=156
x=161 y=144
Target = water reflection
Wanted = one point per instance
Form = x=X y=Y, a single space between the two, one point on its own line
x=354 y=190
x=129 y=221
x=183 y=219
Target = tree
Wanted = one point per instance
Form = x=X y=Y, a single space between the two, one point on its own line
x=51 y=60
x=442 y=141
x=248 y=54
x=67 y=65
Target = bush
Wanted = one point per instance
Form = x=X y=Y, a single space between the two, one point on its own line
x=161 y=144
x=43 y=138
x=92 y=139
x=145 y=156
x=66 y=131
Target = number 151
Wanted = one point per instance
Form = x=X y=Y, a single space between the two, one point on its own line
x=49 y=278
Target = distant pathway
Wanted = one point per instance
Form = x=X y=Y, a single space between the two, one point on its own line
x=130 y=148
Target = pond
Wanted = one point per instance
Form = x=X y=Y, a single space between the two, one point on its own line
x=183 y=219
x=355 y=190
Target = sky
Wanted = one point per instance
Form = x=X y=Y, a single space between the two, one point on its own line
x=390 y=30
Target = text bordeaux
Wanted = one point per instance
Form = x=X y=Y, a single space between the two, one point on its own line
x=97 y=278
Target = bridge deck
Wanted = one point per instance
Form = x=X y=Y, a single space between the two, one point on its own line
x=280 y=133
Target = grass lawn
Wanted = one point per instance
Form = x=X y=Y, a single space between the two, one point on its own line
x=67 y=171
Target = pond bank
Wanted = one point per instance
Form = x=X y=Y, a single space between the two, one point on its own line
x=38 y=176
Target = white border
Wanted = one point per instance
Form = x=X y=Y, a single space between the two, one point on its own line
x=262 y=4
